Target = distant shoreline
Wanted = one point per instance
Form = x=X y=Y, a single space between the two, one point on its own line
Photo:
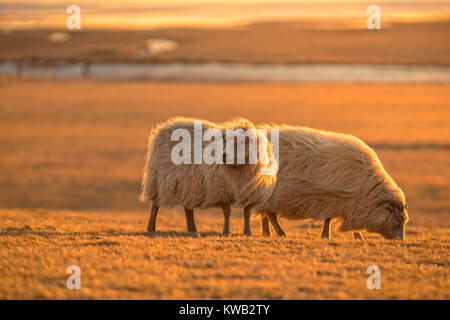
x=228 y=72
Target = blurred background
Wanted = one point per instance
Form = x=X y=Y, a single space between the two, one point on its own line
x=76 y=105
x=144 y=14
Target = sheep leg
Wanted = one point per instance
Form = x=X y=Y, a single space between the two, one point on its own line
x=247 y=211
x=358 y=235
x=190 y=220
x=273 y=220
x=151 y=227
x=326 y=230
x=265 y=227
x=226 y=223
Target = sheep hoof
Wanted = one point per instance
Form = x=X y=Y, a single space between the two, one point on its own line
x=248 y=233
x=193 y=234
x=226 y=233
x=326 y=237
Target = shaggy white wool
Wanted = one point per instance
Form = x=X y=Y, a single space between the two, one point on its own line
x=201 y=185
x=330 y=175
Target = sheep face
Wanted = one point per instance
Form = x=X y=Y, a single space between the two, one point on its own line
x=243 y=148
x=393 y=217
x=249 y=165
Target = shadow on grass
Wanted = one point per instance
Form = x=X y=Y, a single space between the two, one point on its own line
x=181 y=234
x=51 y=232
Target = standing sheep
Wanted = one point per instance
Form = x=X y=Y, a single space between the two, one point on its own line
x=324 y=175
x=201 y=185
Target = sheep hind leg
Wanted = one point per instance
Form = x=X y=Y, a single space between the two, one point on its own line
x=273 y=220
x=226 y=223
x=247 y=212
x=190 y=220
x=358 y=235
x=326 y=230
x=265 y=227
x=151 y=227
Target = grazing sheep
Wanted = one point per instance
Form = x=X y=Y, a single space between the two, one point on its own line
x=205 y=185
x=324 y=175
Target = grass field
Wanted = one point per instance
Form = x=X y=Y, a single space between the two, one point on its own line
x=400 y=43
x=71 y=157
x=118 y=260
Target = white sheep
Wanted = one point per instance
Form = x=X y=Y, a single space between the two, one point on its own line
x=325 y=175
x=202 y=185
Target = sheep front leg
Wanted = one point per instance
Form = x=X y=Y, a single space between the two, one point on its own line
x=190 y=220
x=247 y=212
x=226 y=223
x=273 y=220
x=326 y=230
x=151 y=227
x=265 y=227
x=358 y=235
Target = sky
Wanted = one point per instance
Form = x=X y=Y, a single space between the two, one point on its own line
x=148 y=14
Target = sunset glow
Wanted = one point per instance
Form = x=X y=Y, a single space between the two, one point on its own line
x=120 y=14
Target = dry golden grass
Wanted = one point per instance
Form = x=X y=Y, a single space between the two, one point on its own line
x=118 y=260
x=76 y=150
x=81 y=144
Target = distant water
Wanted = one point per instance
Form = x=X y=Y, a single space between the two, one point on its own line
x=235 y=72
x=156 y=13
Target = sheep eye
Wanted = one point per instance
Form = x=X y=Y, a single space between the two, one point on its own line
x=406 y=206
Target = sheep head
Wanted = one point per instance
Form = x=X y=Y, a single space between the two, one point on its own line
x=392 y=217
